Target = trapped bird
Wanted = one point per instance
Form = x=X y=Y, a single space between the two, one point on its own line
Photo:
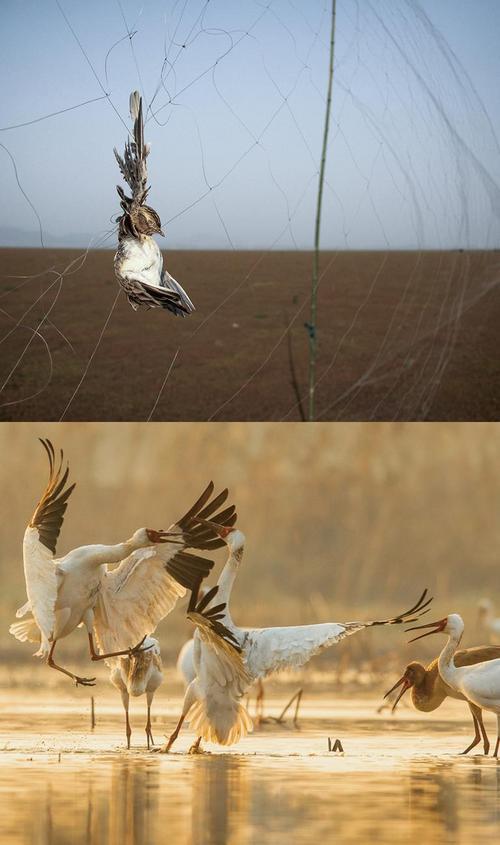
x=488 y=621
x=479 y=683
x=120 y=606
x=138 y=260
x=213 y=699
x=428 y=690
x=136 y=674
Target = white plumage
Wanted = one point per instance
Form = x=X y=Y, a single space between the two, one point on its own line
x=121 y=606
x=213 y=699
x=137 y=675
x=478 y=683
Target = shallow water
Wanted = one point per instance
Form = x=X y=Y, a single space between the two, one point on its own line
x=399 y=779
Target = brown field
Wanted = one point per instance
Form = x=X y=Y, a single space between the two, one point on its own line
x=403 y=335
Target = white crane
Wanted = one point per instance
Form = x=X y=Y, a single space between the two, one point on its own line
x=213 y=699
x=479 y=683
x=488 y=622
x=120 y=606
x=138 y=260
x=136 y=675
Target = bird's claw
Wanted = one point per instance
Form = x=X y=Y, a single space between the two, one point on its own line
x=85 y=682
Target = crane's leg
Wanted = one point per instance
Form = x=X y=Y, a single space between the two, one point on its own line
x=296 y=697
x=189 y=699
x=259 y=703
x=130 y=652
x=84 y=682
x=195 y=748
x=149 y=735
x=497 y=744
x=128 y=729
x=486 y=742
x=477 y=736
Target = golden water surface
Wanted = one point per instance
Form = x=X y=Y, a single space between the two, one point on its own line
x=399 y=780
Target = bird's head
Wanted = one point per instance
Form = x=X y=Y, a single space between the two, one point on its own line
x=413 y=676
x=149 y=537
x=233 y=537
x=146 y=221
x=451 y=624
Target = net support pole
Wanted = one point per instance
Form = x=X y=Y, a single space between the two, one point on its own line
x=311 y=326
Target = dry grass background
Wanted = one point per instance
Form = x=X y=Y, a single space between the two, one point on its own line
x=343 y=521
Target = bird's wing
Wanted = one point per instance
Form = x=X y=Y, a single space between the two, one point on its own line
x=39 y=546
x=133 y=164
x=479 y=654
x=222 y=678
x=269 y=650
x=136 y=595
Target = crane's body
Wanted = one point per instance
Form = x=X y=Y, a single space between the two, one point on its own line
x=138 y=675
x=478 y=683
x=213 y=699
x=118 y=606
x=429 y=690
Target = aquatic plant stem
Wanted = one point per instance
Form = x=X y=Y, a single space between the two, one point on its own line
x=311 y=326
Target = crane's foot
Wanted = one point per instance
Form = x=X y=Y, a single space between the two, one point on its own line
x=149 y=738
x=84 y=682
x=195 y=748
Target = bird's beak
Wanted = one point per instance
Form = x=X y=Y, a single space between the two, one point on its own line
x=220 y=530
x=436 y=628
x=157 y=536
x=160 y=232
x=405 y=684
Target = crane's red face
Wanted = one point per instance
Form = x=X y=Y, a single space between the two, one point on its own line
x=435 y=628
x=413 y=676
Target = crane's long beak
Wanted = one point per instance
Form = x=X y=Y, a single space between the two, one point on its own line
x=436 y=628
x=220 y=530
x=159 y=536
x=405 y=684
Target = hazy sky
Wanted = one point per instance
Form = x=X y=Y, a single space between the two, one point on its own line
x=413 y=158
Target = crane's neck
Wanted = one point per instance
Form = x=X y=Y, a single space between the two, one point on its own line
x=430 y=693
x=97 y=555
x=447 y=668
x=226 y=581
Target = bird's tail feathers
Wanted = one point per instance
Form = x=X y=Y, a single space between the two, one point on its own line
x=170 y=283
x=224 y=721
x=26 y=631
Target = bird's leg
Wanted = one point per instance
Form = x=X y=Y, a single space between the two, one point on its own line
x=477 y=736
x=189 y=699
x=129 y=652
x=128 y=729
x=84 y=682
x=149 y=735
x=281 y=718
x=195 y=748
x=486 y=742
x=497 y=744
x=259 y=703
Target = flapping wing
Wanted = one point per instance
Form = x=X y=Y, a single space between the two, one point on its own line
x=145 y=587
x=39 y=546
x=133 y=164
x=222 y=678
x=270 y=650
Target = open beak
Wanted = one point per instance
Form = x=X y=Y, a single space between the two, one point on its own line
x=158 y=536
x=436 y=628
x=405 y=684
x=220 y=530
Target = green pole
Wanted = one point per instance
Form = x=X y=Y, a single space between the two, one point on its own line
x=313 y=344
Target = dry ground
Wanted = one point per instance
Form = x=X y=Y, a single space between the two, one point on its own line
x=403 y=335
